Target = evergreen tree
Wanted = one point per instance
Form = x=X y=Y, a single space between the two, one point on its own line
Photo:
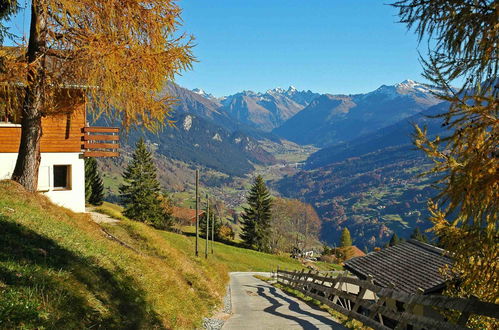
x=141 y=193
x=256 y=218
x=202 y=225
x=94 y=188
x=89 y=173
x=394 y=240
x=418 y=235
x=346 y=239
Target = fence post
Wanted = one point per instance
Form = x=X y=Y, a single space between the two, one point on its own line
x=464 y=317
x=360 y=297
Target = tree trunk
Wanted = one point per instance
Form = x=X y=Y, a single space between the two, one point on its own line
x=28 y=159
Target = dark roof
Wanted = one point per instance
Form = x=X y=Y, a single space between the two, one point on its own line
x=408 y=265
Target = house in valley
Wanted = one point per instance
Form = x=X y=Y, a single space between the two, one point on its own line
x=66 y=140
x=186 y=216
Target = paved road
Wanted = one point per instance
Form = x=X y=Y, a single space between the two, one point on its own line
x=259 y=305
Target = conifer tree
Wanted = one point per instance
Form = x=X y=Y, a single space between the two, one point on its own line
x=94 y=188
x=141 y=193
x=213 y=218
x=394 y=240
x=88 y=179
x=419 y=236
x=256 y=218
x=346 y=239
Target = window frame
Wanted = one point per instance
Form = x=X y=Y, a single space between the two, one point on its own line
x=69 y=181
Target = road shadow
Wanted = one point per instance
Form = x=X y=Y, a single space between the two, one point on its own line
x=270 y=294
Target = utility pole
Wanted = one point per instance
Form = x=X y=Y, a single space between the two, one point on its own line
x=197 y=213
x=207 y=225
x=212 y=232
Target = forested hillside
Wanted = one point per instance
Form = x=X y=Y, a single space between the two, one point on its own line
x=371 y=184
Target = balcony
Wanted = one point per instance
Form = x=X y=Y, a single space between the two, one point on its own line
x=100 y=141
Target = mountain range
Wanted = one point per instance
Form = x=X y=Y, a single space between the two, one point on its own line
x=364 y=176
x=268 y=110
x=331 y=119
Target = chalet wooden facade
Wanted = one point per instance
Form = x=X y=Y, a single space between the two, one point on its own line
x=66 y=140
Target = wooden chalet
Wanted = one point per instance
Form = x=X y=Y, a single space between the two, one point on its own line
x=66 y=140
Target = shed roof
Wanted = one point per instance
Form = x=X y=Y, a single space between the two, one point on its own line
x=185 y=213
x=409 y=265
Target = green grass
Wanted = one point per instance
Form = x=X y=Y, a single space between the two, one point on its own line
x=112 y=210
x=59 y=269
x=394 y=217
x=241 y=259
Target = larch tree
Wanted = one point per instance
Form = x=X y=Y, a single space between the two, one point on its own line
x=464 y=44
x=293 y=224
x=257 y=216
x=122 y=52
x=346 y=239
x=8 y=8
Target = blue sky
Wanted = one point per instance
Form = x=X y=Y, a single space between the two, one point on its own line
x=333 y=46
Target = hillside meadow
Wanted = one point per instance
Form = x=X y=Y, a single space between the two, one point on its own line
x=60 y=269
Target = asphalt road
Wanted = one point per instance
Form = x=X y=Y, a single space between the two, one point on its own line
x=259 y=305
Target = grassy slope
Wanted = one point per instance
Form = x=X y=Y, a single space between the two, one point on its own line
x=235 y=258
x=59 y=269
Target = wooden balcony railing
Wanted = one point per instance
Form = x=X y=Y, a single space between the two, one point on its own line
x=96 y=143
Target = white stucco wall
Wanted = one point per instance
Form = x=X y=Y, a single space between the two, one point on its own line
x=74 y=198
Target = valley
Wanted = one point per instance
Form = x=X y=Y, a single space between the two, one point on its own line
x=350 y=156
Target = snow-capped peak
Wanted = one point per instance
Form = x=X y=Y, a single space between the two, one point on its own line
x=277 y=90
x=409 y=82
x=201 y=92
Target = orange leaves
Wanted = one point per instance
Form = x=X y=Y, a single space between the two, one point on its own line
x=122 y=51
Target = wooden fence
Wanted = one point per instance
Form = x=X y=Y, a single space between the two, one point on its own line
x=385 y=308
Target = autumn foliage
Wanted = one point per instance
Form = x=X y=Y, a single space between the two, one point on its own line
x=122 y=51
x=465 y=38
x=294 y=225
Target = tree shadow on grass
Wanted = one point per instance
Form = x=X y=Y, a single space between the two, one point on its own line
x=59 y=285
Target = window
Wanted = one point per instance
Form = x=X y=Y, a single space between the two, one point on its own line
x=62 y=177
